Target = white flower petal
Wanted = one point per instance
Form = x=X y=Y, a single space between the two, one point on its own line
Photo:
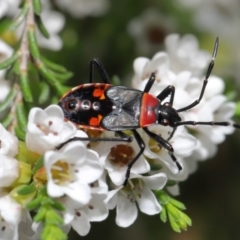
x=99 y=211
x=155 y=182
x=112 y=198
x=126 y=212
x=9 y=170
x=81 y=224
x=148 y=203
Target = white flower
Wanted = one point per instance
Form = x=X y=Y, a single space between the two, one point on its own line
x=183 y=145
x=138 y=191
x=117 y=158
x=10 y=215
x=71 y=170
x=54 y=23
x=80 y=216
x=8 y=143
x=46 y=129
x=149 y=30
x=184 y=54
x=181 y=66
x=8 y=7
x=83 y=8
x=215 y=109
x=9 y=170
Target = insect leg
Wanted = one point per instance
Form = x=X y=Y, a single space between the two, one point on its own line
x=209 y=70
x=101 y=70
x=149 y=84
x=123 y=138
x=165 y=144
x=141 y=145
x=193 y=123
x=169 y=90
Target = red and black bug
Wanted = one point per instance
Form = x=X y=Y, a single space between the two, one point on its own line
x=102 y=106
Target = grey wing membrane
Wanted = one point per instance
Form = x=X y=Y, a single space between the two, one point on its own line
x=126 y=108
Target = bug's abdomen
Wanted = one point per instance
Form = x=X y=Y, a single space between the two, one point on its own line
x=86 y=105
x=149 y=110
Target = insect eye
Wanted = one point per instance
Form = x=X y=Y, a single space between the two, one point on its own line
x=167 y=104
x=72 y=104
x=165 y=122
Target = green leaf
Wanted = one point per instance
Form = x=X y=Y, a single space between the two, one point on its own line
x=19 y=19
x=44 y=94
x=9 y=61
x=6 y=122
x=186 y=218
x=51 y=79
x=39 y=164
x=40 y=216
x=21 y=117
x=37 y=6
x=173 y=211
x=162 y=197
x=54 y=66
x=57 y=205
x=25 y=87
x=41 y=26
x=53 y=218
x=33 y=45
x=27 y=189
x=16 y=68
x=174 y=224
x=9 y=99
x=51 y=232
x=163 y=215
x=47 y=201
x=177 y=203
x=20 y=133
x=62 y=76
x=237 y=110
x=35 y=203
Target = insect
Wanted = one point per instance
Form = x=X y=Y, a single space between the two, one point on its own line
x=102 y=106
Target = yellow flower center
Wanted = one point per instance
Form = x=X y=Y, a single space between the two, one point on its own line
x=60 y=173
x=154 y=146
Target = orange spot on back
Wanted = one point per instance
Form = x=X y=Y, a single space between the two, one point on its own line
x=97 y=92
x=94 y=121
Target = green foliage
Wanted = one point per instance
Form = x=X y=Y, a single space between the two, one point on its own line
x=28 y=189
x=46 y=214
x=172 y=211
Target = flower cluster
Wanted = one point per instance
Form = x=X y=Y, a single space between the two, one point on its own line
x=78 y=183
x=183 y=65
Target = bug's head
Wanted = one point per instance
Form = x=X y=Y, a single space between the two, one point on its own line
x=168 y=116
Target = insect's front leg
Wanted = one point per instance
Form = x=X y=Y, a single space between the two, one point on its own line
x=165 y=144
x=169 y=90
